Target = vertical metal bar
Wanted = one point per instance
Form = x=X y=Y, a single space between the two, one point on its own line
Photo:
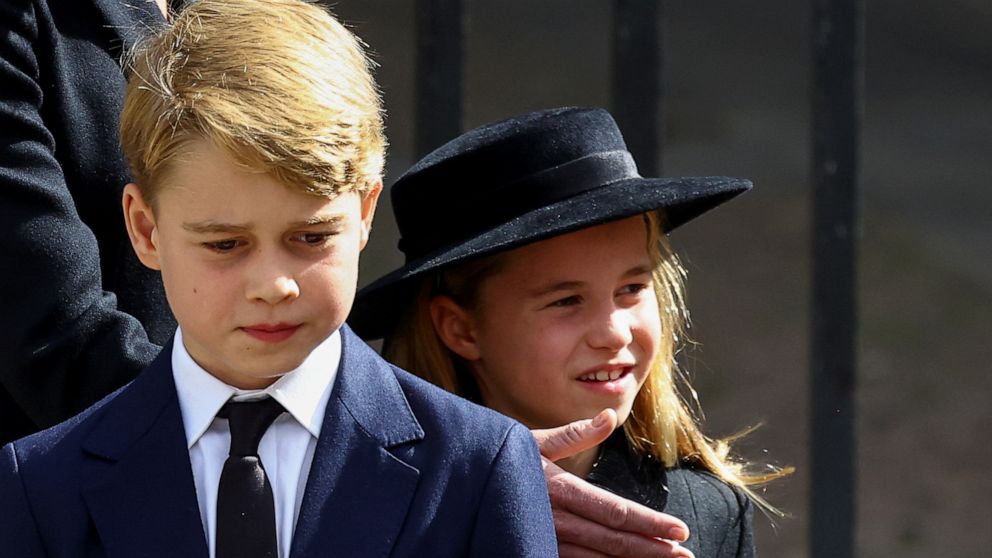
x=838 y=60
x=439 y=56
x=637 y=88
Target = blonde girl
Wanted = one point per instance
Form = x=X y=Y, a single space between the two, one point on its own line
x=539 y=282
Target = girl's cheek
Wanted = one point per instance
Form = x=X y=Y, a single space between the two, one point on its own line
x=648 y=315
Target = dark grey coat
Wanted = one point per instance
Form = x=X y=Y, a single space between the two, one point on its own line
x=80 y=316
x=718 y=516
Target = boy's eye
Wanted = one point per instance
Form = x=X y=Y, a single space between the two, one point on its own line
x=223 y=245
x=313 y=238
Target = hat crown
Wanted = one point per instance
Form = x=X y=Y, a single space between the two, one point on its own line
x=494 y=173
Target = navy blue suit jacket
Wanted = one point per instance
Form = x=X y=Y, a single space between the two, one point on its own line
x=401 y=468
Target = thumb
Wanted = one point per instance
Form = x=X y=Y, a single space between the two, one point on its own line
x=566 y=441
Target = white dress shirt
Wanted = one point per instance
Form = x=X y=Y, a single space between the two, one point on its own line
x=286 y=448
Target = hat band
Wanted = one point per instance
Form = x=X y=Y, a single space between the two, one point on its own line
x=493 y=207
x=571 y=178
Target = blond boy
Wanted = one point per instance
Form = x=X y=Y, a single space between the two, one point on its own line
x=266 y=428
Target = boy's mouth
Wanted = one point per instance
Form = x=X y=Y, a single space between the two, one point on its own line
x=271 y=333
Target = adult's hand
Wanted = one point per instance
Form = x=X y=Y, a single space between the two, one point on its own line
x=591 y=522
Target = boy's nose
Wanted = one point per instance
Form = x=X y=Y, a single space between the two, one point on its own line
x=612 y=332
x=274 y=290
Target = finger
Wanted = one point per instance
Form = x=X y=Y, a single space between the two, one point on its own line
x=568 y=440
x=580 y=538
x=607 y=510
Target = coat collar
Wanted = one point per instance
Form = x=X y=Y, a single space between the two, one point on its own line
x=644 y=479
x=141 y=496
x=143 y=501
x=358 y=491
x=367 y=387
x=633 y=476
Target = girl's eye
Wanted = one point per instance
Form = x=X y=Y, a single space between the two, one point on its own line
x=632 y=288
x=565 y=302
x=223 y=245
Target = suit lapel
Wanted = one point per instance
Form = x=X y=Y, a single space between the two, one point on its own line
x=358 y=492
x=143 y=500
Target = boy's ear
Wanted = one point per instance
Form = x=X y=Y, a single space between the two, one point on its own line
x=369 y=201
x=141 y=229
x=454 y=326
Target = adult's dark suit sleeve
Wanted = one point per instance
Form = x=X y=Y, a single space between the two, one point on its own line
x=63 y=342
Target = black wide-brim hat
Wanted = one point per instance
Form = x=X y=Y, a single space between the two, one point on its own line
x=514 y=182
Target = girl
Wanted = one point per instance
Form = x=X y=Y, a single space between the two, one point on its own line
x=539 y=282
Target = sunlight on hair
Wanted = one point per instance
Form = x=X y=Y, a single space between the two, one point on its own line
x=662 y=423
x=284 y=89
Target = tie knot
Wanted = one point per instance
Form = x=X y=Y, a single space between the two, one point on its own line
x=248 y=422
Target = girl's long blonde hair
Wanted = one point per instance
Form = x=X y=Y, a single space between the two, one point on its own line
x=661 y=424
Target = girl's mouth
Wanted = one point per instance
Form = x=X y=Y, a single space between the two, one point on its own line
x=605 y=375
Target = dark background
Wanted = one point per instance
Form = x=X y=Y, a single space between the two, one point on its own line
x=737 y=95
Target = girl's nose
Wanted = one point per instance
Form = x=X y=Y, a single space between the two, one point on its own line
x=611 y=332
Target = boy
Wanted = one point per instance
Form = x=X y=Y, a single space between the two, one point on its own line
x=265 y=428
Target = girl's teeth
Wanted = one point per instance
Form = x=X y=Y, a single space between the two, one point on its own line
x=602 y=376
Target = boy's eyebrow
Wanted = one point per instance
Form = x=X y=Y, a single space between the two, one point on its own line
x=544 y=290
x=211 y=227
x=206 y=227
x=320 y=220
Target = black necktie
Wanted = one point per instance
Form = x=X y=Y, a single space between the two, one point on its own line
x=246 y=518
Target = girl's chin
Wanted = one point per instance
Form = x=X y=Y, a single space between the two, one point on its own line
x=588 y=410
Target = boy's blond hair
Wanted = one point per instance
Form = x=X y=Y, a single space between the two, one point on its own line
x=279 y=85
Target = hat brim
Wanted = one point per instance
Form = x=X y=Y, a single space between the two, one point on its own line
x=682 y=199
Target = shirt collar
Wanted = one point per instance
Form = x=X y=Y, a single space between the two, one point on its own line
x=303 y=392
